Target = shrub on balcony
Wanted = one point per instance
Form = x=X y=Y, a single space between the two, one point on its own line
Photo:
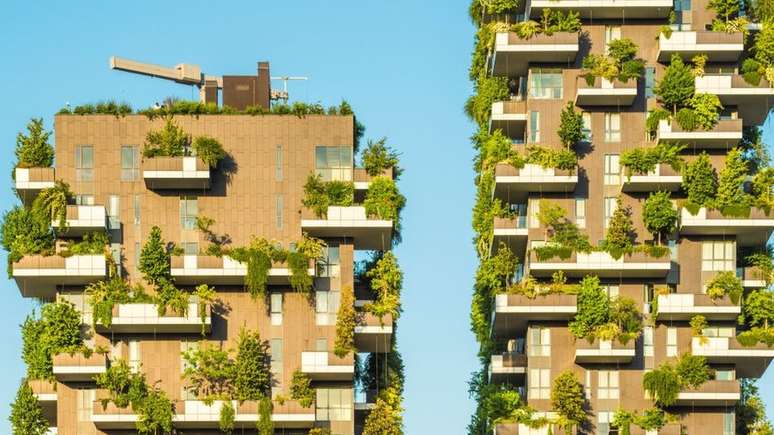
x=619 y=63
x=756 y=335
x=570 y=126
x=567 y=399
x=124 y=386
x=700 y=182
x=319 y=195
x=252 y=367
x=26 y=413
x=494 y=274
x=209 y=149
x=759 y=308
x=155 y=259
x=385 y=418
x=33 y=149
x=169 y=296
x=677 y=85
x=659 y=214
x=529 y=287
x=652 y=419
x=731 y=198
x=301 y=389
x=641 y=161
x=488 y=91
x=346 y=320
x=593 y=308
x=563 y=159
x=383 y=200
x=627 y=319
x=564 y=237
x=205 y=296
x=265 y=425
x=725 y=284
x=258 y=256
x=664 y=383
x=226 y=420
x=92 y=243
x=751 y=411
x=698 y=325
x=386 y=280
x=57 y=330
x=377 y=157
x=654 y=117
x=102 y=296
x=25 y=233
x=762 y=260
x=170 y=141
x=706 y=108
x=51 y=203
x=762 y=189
x=319 y=431
x=307 y=249
x=155 y=413
x=692 y=370
x=761 y=63
x=620 y=234
x=209 y=373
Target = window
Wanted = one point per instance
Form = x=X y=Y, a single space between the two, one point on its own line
x=729 y=425
x=611 y=203
x=650 y=81
x=130 y=163
x=276 y=362
x=671 y=347
x=136 y=206
x=189 y=209
x=611 y=34
x=611 y=290
x=716 y=331
x=520 y=212
x=718 y=255
x=137 y=251
x=187 y=346
x=612 y=127
x=190 y=248
x=327 y=306
x=84 y=199
x=278 y=163
x=724 y=375
x=604 y=418
x=539 y=384
x=612 y=170
x=647 y=340
x=648 y=293
x=534 y=126
x=334 y=404
x=545 y=83
x=114 y=212
x=334 y=163
x=330 y=264
x=84 y=163
x=539 y=341
x=534 y=206
x=134 y=355
x=276 y=309
x=587 y=385
x=607 y=384
x=279 y=211
x=586 y=117
x=580 y=212
x=321 y=345
x=115 y=252
x=84 y=399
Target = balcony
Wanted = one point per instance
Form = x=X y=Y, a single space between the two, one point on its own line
x=30 y=181
x=144 y=318
x=511 y=231
x=352 y=222
x=45 y=392
x=635 y=265
x=175 y=173
x=604 y=352
x=752 y=277
x=605 y=9
x=662 y=178
x=718 y=46
x=508 y=367
x=362 y=180
x=683 y=306
x=752 y=101
x=711 y=393
x=753 y=230
x=325 y=366
x=372 y=334
x=512 y=313
x=208 y=269
x=726 y=134
x=77 y=367
x=82 y=219
x=512 y=55
x=750 y=362
x=604 y=92
x=38 y=276
x=510 y=117
x=513 y=184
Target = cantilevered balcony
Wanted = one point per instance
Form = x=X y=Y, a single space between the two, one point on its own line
x=175 y=173
x=372 y=334
x=512 y=55
x=664 y=177
x=325 y=366
x=752 y=277
x=352 y=222
x=602 y=264
x=726 y=134
x=750 y=361
x=604 y=92
x=718 y=46
x=752 y=230
x=145 y=318
x=512 y=184
x=82 y=219
x=508 y=367
x=711 y=393
x=362 y=179
x=38 y=276
x=208 y=269
x=511 y=231
x=605 y=9
x=604 y=352
x=28 y=182
x=752 y=101
x=683 y=306
x=510 y=117
x=78 y=368
x=512 y=313
x=45 y=392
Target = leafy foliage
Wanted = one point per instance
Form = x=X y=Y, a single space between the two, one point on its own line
x=692 y=370
x=209 y=373
x=155 y=413
x=170 y=141
x=593 y=308
x=619 y=63
x=258 y=256
x=209 y=149
x=659 y=214
x=564 y=236
x=57 y=330
x=725 y=284
x=751 y=411
x=700 y=181
x=383 y=200
x=570 y=126
x=620 y=234
x=759 y=308
x=346 y=320
x=104 y=295
x=665 y=382
x=377 y=157
x=26 y=413
x=301 y=389
x=101 y=108
x=677 y=85
x=319 y=195
x=226 y=420
x=33 y=150
x=731 y=195
x=252 y=376
x=385 y=418
x=25 y=233
x=641 y=161
x=265 y=426
x=567 y=400
x=155 y=259
x=386 y=281
x=51 y=204
x=92 y=243
x=706 y=108
x=124 y=386
x=488 y=90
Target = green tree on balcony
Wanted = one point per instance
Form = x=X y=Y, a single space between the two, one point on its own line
x=26 y=413
x=570 y=126
x=659 y=214
x=677 y=85
x=33 y=149
x=700 y=182
x=731 y=198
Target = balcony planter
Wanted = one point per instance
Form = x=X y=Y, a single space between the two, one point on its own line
x=604 y=92
x=175 y=173
x=718 y=46
x=512 y=55
x=28 y=182
x=512 y=313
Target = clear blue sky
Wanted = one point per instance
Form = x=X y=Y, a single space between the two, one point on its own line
x=401 y=63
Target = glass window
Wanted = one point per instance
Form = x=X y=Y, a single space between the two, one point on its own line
x=330 y=264
x=545 y=83
x=321 y=345
x=729 y=424
x=717 y=331
x=134 y=355
x=279 y=211
x=611 y=34
x=580 y=212
x=611 y=203
x=190 y=248
x=334 y=163
x=604 y=418
x=539 y=384
x=724 y=375
x=84 y=163
x=540 y=341
x=718 y=255
x=611 y=290
x=534 y=126
x=671 y=348
x=607 y=387
x=276 y=309
x=612 y=127
x=81 y=199
x=114 y=211
x=189 y=209
x=334 y=404
x=647 y=339
x=586 y=116
x=84 y=402
x=276 y=362
x=278 y=163
x=587 y=385
x=612 y=170
x=136 y=206
x=130 y=163
x=534 y=206
x=650 y=80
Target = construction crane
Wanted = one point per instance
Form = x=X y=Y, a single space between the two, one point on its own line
x=183 y=73
x=283 y=94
